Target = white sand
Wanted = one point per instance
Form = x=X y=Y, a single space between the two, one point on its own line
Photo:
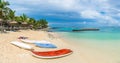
x=82 y=54
x=12 y=54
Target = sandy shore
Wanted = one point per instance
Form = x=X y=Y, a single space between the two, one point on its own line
x=12 y=54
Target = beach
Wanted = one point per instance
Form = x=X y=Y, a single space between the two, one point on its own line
x=81 y=31
x=87 y=52
x=12 y=54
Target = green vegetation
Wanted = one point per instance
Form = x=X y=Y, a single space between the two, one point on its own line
x=8 y=15
x=4 y=10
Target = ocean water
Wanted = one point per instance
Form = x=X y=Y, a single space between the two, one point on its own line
x=105 y=33
x=102 y=46
x=101 y=36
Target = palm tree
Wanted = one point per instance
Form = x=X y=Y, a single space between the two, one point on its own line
x=6 y=14
x=11 y=15
x=43 y=23
x=4 y=9
x=24 y=18
x=31 y=21
x=21 y=19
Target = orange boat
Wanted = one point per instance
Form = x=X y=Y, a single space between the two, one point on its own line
x=52 y=54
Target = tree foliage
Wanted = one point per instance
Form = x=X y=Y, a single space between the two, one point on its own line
x=11 y=15
x=8 y=14
x=4 y=9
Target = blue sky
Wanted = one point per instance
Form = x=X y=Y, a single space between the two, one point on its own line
x=99 y=12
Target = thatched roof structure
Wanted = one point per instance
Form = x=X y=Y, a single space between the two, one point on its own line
x=13 y=23
x=24 y=24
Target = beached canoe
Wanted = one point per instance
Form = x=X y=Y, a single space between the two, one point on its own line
x=45 y=45
x=22 y=45
x=34 y=41
x=52 y=54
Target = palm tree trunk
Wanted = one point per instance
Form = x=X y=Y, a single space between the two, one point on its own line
x=1 y=27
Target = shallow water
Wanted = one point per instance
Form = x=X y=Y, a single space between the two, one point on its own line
x=95 y=46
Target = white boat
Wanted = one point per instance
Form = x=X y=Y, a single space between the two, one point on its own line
x=28 y=41
x=34 y=41
x=22 y=45
x=43 y=41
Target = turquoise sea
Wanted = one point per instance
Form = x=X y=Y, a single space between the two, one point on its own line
x=105 y=33
x=101 y=45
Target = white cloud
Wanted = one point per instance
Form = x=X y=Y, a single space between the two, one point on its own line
x=90 y=14
x=90 y=9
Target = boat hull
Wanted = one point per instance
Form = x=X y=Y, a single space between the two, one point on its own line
x=52 y=54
